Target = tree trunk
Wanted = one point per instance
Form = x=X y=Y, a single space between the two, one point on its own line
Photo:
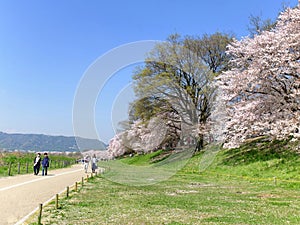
x=200 y=143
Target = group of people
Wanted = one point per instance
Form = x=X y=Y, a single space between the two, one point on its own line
x=45 y=161
x=86 y=162
x=38 y=161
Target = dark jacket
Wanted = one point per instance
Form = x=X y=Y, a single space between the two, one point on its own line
x=45 y=161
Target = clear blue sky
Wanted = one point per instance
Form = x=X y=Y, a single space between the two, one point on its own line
x=46 y=46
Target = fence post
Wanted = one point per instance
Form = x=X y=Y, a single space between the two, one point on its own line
x=82 y=179
x=9 y=169
x=56 y=201
x=19 y=167
x=40 y=214
x=76 y=186
x=67 y=191
x=27 y=167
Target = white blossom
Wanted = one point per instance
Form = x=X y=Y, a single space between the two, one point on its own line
x=262 y=90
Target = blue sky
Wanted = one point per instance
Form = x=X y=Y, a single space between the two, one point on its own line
x=46 y=47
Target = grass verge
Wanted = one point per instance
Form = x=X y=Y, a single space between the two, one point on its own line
x=231 y=191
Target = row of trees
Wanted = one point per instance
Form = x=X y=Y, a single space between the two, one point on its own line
x=194 y=90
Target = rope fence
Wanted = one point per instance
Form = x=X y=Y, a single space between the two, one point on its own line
x=64 y=194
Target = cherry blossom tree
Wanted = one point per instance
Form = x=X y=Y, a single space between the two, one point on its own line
x=140 y=138
x=262 y=89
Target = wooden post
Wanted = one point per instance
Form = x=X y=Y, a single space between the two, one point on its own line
x=82 y=179
x=19 y=167
x=27 y=167
x=40 y=214
x=68 y=192
x=87 y=177
x=56 y=201
x=9 y=169
x=76 y=186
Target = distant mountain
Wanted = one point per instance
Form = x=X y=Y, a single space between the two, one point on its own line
x=40 y=142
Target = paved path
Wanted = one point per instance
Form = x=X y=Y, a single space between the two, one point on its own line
x=20 y=195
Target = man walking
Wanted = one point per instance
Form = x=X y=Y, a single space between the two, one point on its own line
x=45 y=164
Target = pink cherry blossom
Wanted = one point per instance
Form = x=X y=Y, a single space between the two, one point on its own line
x=262 y=89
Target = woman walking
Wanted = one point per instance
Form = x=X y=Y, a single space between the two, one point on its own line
x=86 y=163
x=37 y=164
x=94 y=163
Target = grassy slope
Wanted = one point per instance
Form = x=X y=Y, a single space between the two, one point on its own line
x=235 y=187
x=263 y=161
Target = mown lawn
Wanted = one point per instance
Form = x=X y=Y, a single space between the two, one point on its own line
x=218 y=194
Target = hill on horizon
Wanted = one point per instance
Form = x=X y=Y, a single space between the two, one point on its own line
x=41 y=142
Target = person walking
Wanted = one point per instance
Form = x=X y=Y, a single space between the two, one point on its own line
x=94 y=163
x=86 y=163
x=45 y=164
x=37 y=164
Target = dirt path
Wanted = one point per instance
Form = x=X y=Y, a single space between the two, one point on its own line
x=20 y=195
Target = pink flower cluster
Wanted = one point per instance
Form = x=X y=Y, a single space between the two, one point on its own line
x=262 y=89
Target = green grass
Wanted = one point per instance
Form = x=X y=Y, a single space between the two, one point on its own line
x=225 y=190
x=261 y=160
x=140 y=160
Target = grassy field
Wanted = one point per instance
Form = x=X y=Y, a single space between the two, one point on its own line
x=258 y=183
